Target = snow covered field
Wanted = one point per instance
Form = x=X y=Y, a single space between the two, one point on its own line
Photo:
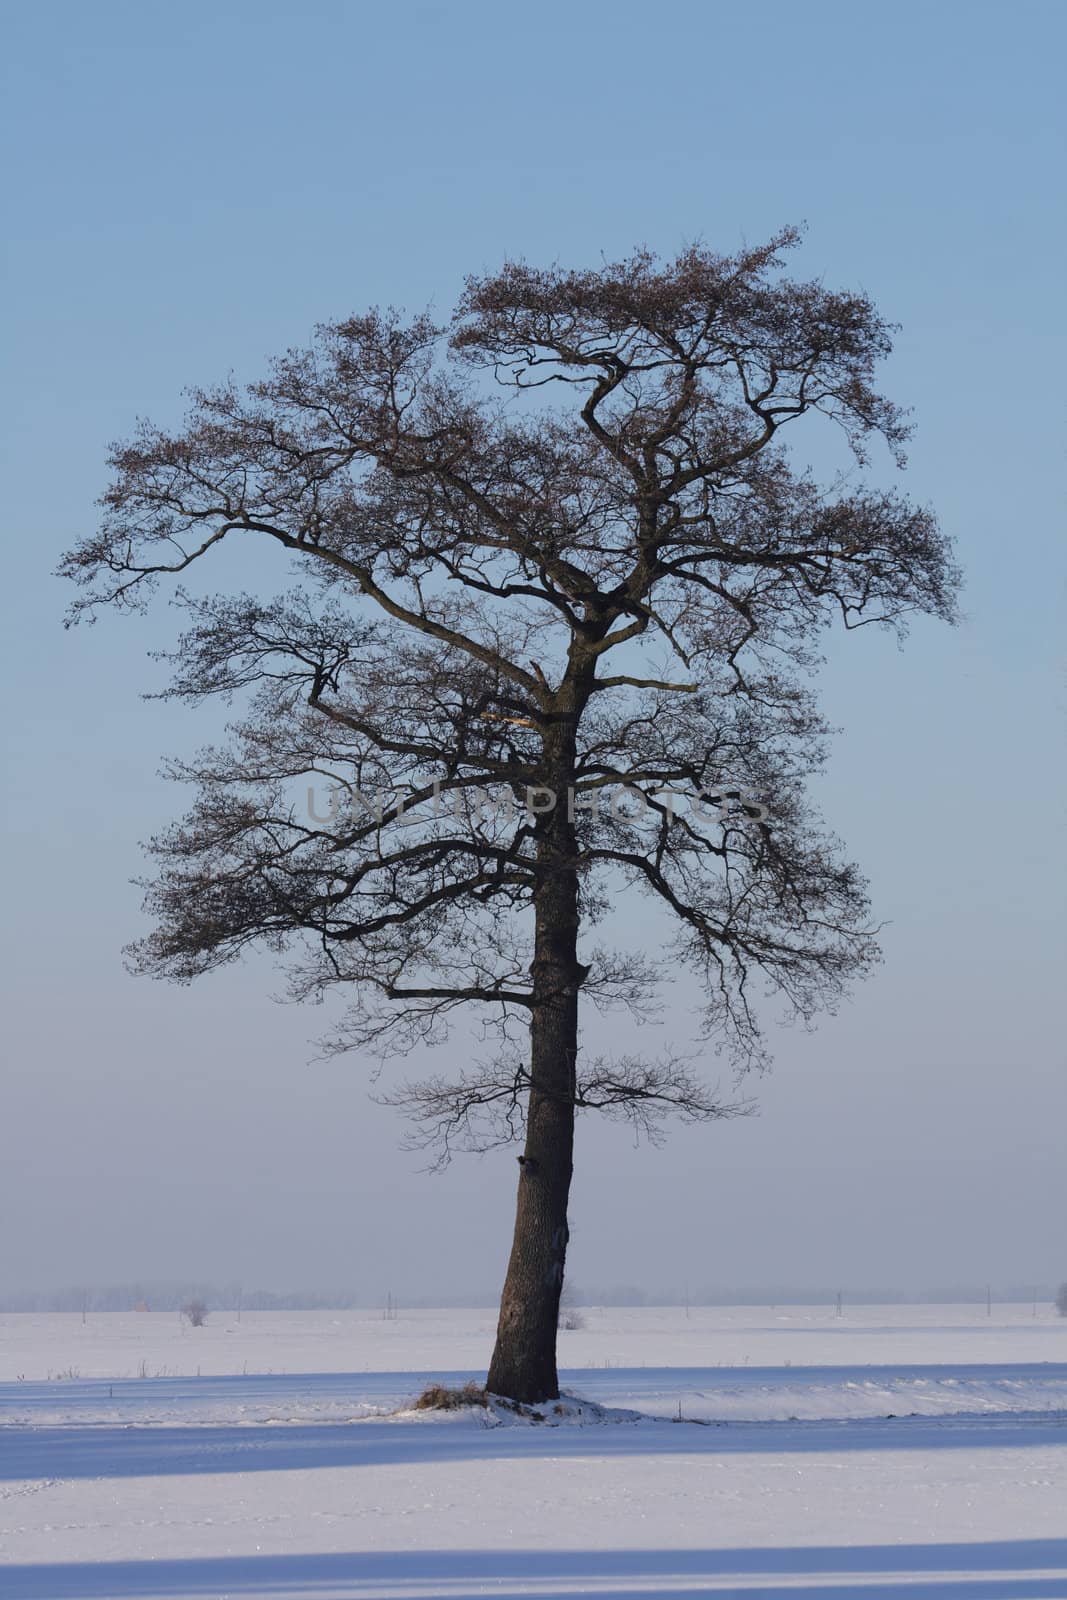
x=904 y=1450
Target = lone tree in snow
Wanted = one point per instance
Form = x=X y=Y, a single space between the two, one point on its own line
x=555 y=580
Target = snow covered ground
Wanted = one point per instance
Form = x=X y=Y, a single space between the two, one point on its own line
x=893 y=1451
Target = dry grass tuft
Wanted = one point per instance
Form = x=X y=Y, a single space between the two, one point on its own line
x=439 y=1398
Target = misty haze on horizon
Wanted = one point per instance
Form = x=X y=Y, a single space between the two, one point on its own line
x=231 y=1300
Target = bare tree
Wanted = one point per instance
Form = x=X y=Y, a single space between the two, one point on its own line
x=195 y=1311
x=549 y=637
x=1061 y=1300
x=569 y=1318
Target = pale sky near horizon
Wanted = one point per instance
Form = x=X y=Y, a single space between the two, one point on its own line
x=188 y=191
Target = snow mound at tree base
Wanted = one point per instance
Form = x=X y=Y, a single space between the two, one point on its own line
x=499 y=1412
x=568 y=1411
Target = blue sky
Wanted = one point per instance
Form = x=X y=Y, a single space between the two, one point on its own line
x=188 y=191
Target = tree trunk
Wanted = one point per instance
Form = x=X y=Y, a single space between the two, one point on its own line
x=524 y=1359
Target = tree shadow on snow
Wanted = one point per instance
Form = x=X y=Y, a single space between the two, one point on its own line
x=1001 y=1570
x=105 y=1451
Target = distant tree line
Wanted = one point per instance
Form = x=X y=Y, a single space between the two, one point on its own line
x=176 y=1296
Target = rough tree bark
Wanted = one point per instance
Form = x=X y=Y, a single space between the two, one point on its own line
x=524 y=1358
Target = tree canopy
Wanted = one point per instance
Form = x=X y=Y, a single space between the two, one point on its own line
x=557 y=582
